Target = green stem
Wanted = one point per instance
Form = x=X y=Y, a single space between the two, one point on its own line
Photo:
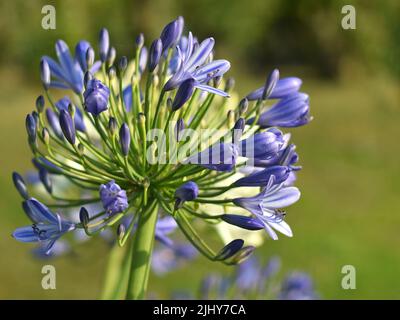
x=141 y=253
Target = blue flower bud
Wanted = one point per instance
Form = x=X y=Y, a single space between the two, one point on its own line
x=140 y=40
x=41 y=162
x=230 y=83
x=89 y=58
x=31 y=127
x=111 y=56
x=40 y=103
x=66 y=104
x=104 y=44
x=243 y=106
x=125 y=139
x=186 y=192
x=143 y=55
x=122 y=64
x=114 y=199
x=243 y=222
x=112 y=125
x=170 y=34
x=183 y=94
x=230 y=249
x=155 y=54
x=20 y=185
x=83 y=216
x=54 y=123
x=96 y=97
x=243 y=254
x=261 y=178
x=87 y=77
x=270 y=84
x=67 y=126
x=45 y=179
x=45 y=73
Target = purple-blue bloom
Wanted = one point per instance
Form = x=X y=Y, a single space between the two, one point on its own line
x=262 y=145
x=104 y=44
x=31 y=127
x=230 y=249
x=45 y=74
x=69 y=72
x=298 y=286
x=183 y=94
x=20 y=185
x=125 y=139
x=193 y=64
x=114 y=198
x=96 y=97
x=267 y=205
x=155 y=54
x=172 y=33
x=243 y=222
x=47 y=226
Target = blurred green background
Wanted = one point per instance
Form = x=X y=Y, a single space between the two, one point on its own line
x=349 y=211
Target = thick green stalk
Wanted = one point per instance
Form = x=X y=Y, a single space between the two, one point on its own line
x=141 y=253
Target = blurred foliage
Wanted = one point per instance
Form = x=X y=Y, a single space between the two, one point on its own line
x=303 y=33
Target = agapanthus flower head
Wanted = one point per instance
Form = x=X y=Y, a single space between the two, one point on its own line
x=151 y=143
x=114 y=198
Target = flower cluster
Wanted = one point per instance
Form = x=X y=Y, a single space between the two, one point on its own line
x=158 y=137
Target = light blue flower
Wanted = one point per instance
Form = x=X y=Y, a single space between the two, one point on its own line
x=193 y=63
x=267 y=205
x=47 y=226
x=68 y=73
